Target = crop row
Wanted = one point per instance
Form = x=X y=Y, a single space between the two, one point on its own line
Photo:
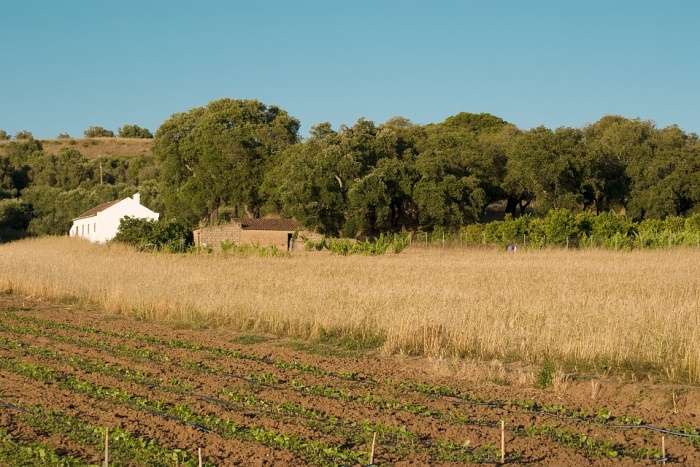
x=398 y=439
x=591 y=446
x=125 y=447
x=602 y=416
x=196 y=347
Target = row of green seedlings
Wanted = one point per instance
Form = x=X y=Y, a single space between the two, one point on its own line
x=396 y=439
x=183 y=344
x=15 y=452
x=311 y=451
x=125 y=447
x=603 y=416
x=591 y=446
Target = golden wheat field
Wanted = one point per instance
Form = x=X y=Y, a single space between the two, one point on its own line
x=623 y=310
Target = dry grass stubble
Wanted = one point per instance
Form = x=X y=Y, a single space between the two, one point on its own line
x=638 y=310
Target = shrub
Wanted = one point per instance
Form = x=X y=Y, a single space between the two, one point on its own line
x=545 y=377
x=560 y=227
x=63 y=136
x=24 y=134
x=98 y=132
x=395 y=243
x=311 y=245
x=4 y=136
x=15 y=216
x=134 y=131
x=144 y=234
x=229 y=247
x=473 y=234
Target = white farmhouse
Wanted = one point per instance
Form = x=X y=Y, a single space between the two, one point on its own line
x=101 y=223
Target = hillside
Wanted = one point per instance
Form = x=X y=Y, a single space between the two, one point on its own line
x=96 y=147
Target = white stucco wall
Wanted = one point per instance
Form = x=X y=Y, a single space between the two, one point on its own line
x=103 y=226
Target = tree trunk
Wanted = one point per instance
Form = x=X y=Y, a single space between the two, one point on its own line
x=511 y=206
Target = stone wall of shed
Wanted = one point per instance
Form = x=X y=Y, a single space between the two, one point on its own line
x=213 y=236
x=277 y=238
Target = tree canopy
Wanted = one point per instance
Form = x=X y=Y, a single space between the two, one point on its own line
x=134 y=131
x=98 y=132
x=216 y=156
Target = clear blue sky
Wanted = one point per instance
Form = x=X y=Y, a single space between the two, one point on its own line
x=70 y=64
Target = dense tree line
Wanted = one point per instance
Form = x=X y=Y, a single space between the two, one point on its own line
x=41 y=193
x=367 y=179
x=243 y=158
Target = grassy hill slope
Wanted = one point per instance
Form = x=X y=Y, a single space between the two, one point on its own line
x=96 y=147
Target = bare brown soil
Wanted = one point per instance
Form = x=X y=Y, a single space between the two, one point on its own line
x=286 y=403
x=96 y=147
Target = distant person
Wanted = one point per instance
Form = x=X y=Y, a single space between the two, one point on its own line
x=512 y=248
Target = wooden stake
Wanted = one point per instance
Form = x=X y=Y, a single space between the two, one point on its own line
x=503 y=442
x=663 y=449
x=371 y=453
x=106 y=463
x=199 y=454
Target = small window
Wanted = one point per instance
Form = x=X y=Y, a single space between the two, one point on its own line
x=94 y=227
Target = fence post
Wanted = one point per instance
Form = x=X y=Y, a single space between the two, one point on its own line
x=443 y=239
x=503 y=442
x=663 y=449
x=106 y=462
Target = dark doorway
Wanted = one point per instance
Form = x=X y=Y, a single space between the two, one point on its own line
x=290 y=242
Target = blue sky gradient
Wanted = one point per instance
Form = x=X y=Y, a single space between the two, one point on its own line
x=67 y=65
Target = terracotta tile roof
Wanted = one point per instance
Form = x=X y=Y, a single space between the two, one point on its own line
x=99 y=208
x=270 y=224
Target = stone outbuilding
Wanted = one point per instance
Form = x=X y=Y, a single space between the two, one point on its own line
x=282 y=233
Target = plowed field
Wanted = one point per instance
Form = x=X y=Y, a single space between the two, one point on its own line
x=68 y=372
